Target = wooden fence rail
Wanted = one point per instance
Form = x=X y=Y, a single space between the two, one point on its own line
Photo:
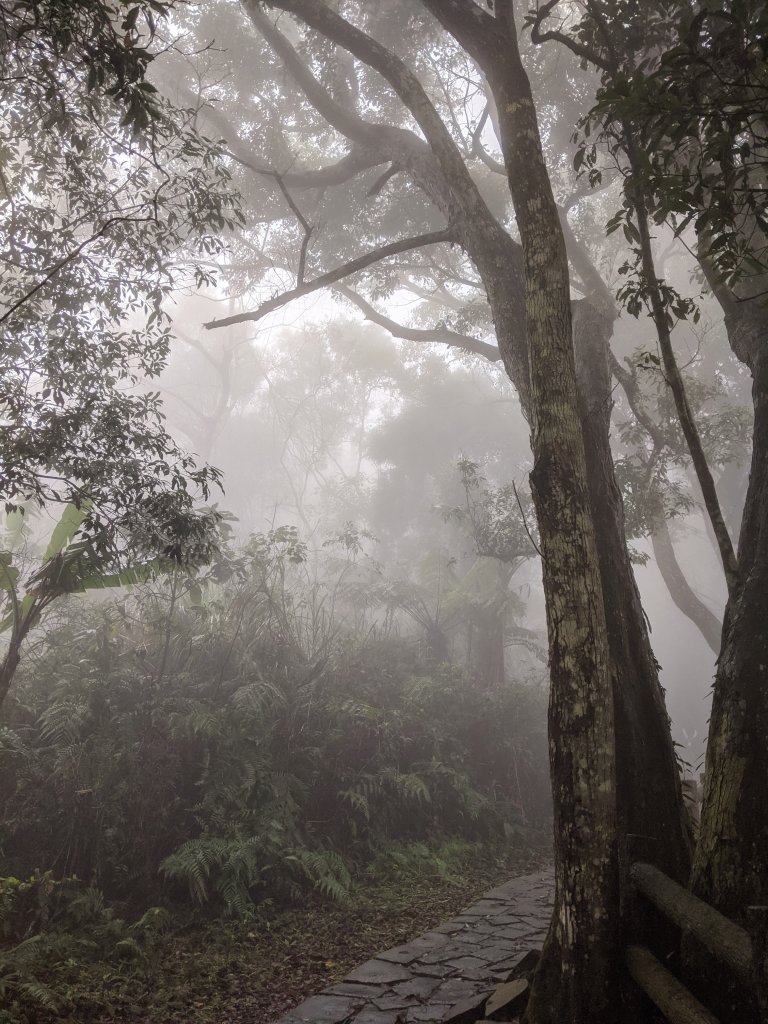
x=746 y=955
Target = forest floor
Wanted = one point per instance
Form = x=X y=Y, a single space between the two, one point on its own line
x=252 y=973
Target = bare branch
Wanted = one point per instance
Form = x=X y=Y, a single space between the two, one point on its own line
x=304 y=223
x=360 y=158
x=438 y=335
x=332 y=276
x=355 y=162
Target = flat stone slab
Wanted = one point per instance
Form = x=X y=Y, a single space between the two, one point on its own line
x=441 y=974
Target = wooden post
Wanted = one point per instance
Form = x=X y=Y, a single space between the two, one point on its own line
x=672 y=998
x=726 y=941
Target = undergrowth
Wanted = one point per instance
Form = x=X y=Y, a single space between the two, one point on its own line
x=194 y=753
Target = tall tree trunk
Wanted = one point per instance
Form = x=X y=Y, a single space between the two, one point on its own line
x=580 y=969
x=730 y=868
x=8 y=667
x=576 y=980
x=731 y=865
x=652 y=819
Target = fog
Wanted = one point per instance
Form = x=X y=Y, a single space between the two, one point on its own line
x=331 y=671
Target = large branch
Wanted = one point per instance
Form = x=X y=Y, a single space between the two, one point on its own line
x=481 y=35
x=680 y=590
x=438 y=335
x=343 y=170
x=342 y=118
x=333 y=276
x=403 y=81
x=435 y=166
x=359 y=158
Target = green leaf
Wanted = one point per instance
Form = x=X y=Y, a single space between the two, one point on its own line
x=127 y=577
x=70 y=522
x=25 y=607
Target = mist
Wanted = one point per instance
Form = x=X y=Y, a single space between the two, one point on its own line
x=329 y=536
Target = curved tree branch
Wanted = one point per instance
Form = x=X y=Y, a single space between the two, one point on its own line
x=482 y=35
x=680 y=590
x=441 y=336
x=579 y=49
x=332 y=276
x=403 y=81
x=359 y=158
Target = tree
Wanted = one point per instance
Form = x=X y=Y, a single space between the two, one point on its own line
x=717 y=65
x=110 y=200
x=649 y=800
x=690 y=81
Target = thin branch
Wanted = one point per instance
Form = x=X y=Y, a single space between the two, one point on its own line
x=676 y=383
x=525 y=522
x=302 y=220
x=69 y=258
x=441 y=336
x=332 y=276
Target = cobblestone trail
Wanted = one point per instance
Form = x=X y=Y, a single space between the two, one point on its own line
x=445 y=973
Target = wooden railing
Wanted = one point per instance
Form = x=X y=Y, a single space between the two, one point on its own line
x=744 y=953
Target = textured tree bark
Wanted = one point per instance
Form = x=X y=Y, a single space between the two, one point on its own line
x=576 y=980
x=652 y=820
x=731 y=864
x=730 y=868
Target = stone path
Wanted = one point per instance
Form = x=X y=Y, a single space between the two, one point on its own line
x=446 y=973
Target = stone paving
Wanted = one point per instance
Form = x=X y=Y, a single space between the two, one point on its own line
x=446 y=973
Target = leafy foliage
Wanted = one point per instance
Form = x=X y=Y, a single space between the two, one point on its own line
x=229 y=739
x=689 y=82
x=50 y=928
x=111 y=199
